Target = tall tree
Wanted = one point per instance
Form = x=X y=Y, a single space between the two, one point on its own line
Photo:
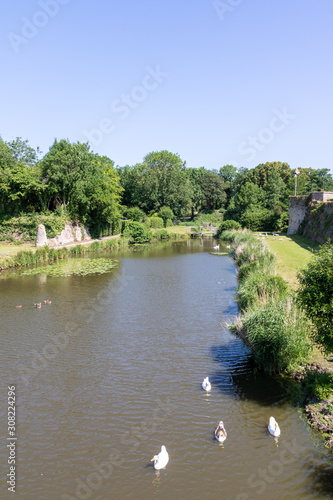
x=161 y=180
x=87 y=184
x=213 y=191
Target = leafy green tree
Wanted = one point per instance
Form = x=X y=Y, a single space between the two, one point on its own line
x=22 y=152
x=20 y=185
x=315 y=294
x=250 y=197
x=213 y=191
x=86 y=183
x=104 y=193
x=228 y=173
x=195 y=175
x=161 y=180
x=320 y=180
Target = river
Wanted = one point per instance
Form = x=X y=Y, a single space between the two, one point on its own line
x=112 y=369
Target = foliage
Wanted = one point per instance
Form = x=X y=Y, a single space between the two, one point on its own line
x=166 y=213
x=228 y=224
x=160 y=180
x=259 y=287
x=135 y=213
x=277 y=333
x=26 y=225
x=318 y=383
x=213 y=216
x=85 y=183
x=154 y=222
x=162 y=234
x=213 y=195
x=315 y=294
x=257 y=219
x=136 y=232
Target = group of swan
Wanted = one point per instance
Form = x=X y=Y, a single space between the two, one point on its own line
x=220 y=432
x=161 y=460
x=38 y=305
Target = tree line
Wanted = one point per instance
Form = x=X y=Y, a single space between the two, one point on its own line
x=91 y=188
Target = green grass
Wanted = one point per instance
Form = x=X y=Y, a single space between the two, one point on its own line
x=292 y=254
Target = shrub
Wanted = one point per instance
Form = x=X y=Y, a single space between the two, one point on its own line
x=166 y=213
x=154 y=222
x=137 y=232
x=319 y=384
x=277 y=334
x=135 y=213
x=168 y=223
x=228 y=224
x=315 y=294
x=162 y=234
x=260 y=219
x=259 y=287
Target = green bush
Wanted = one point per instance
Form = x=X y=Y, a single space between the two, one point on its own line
x=136 y=232
x=260 y=219
x=154 y=222
x=228 y=224
x=162 y=234
x=315 y=294
x=135 y=213
x=260 y=287
x=319 y=384
x=168 y=223
x=166 y=213
x=277 y=334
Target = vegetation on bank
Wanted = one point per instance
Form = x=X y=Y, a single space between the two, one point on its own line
x=271 y=322
x=71 y=178
x=47 y=255
x=278 y=326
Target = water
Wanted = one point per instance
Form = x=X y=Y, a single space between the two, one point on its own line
x=112 y=369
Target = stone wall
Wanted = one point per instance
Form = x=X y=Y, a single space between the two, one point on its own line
x=318 y=223
x=297 y=209
x=321 y=196
x=312 y=216
x=72 y=233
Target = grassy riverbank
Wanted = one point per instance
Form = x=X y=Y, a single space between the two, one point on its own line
x=274 y=326
x=292 y=254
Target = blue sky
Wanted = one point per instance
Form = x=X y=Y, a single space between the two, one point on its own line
x=219 y=82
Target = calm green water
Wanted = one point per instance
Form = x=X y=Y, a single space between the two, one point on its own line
x=112 y=369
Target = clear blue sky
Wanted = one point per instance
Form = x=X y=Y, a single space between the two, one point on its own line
x=219 y=82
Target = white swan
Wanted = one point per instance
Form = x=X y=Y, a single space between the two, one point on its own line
x=206 y=385
x=273 y=427
x=216 y=247
x=220 y=432
x=161 y=459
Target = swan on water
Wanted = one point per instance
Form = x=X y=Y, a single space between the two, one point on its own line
x=161 y=459
x=220 y=432
x=273 y=427
x=216 y=247
x=206 y=385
